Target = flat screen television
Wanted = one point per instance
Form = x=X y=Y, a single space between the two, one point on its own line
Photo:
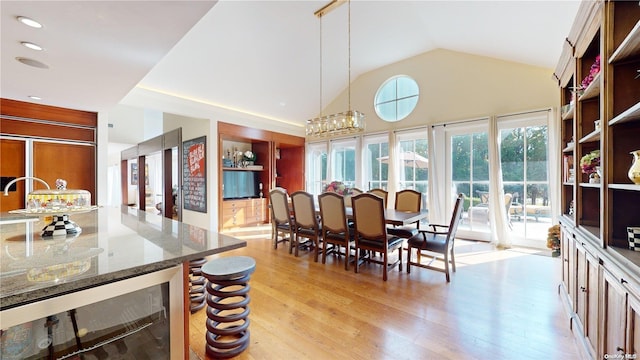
x=240 y=184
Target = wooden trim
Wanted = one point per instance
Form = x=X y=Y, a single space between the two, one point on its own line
x=124 y=179
x=46 y=112
x=238 y=132
x=186 y=307
x=47 y=130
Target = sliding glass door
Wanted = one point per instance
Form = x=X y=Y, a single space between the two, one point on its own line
x=468 y=173
x=524 y=161
x=520 y=177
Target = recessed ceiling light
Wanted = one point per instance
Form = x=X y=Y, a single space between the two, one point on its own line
x=31 y=62
x=35 y=97
x=29 y=22
x=31 y=45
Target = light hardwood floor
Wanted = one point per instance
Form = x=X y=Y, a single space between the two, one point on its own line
x=499 y=305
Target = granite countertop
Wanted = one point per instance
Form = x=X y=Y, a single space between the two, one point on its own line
x=115 y=243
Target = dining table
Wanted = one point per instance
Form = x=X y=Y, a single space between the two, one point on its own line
x=393 y=216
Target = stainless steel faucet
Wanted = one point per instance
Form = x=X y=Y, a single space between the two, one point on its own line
x=6 y=188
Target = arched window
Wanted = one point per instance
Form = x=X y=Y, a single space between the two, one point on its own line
x=396 y=98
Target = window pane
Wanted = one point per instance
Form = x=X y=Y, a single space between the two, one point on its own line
x=387 y=111
x=512 y=154
x=461 y=157
x=407 y=87
x=387 y=92
x=537 y=153
x=406 y=106
x=480 y=150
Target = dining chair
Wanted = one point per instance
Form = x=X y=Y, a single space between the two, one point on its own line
x=407 y=200
x=282 y=223
x=307 y=225
x=335 y=228
x=352 y=192
x=384 y=194
x=438 y=241
x=507 y=206
x=371 y=233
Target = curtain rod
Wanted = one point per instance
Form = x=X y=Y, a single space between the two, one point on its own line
x=425 y=127
x=487 y=118
x=459 y=122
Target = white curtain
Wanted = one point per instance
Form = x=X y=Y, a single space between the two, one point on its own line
x=499 y=222
x=554 y=163
x=437 y=201
x=394 y=168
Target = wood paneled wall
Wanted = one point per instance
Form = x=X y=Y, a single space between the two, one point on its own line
x=25 y=124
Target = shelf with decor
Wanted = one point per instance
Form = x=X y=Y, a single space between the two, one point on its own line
x=591 y=137
x=247 y=168
x=567 y=111
x=631 y=114
x=624 y=124
x=592 y=90
x=253 y=162
x=606 y=120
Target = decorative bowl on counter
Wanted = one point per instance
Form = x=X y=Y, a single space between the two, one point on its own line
x=58 y=203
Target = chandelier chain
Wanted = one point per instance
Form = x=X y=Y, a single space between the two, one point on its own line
x=349 y=46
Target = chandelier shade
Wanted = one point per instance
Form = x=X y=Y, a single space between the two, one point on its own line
x=347 y=122
x=343 y=123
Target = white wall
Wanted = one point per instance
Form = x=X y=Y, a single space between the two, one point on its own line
x=454 y=86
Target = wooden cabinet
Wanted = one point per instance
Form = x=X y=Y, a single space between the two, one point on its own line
x=49 y=143
x=244 y=212
x=601 y=111
x=282 y=159
x=587 y=291
x=568 y=253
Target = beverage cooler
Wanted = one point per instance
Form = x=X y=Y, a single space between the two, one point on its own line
x=137 y=318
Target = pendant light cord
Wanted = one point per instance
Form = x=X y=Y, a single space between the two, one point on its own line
x=349 y=46
x=320 y=66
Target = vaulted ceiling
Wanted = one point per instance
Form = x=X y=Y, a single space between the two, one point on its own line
x=260 y=57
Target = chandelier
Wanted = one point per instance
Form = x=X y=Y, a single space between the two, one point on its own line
x=347 y=122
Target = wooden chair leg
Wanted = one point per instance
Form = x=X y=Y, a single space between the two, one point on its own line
x=385 y=257
x=292 y=240
x=316 y=251
x=347 y=254
x=446 y=265
x=324 y=253
x=409 y=260
x=274 y=236
x=453 y=261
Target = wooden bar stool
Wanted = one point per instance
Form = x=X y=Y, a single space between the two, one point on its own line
x=228 y=305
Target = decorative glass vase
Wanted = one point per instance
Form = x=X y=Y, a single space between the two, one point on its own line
x=634 y=171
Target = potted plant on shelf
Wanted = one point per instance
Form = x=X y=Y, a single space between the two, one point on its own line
x=249 y=157
x=590 y=164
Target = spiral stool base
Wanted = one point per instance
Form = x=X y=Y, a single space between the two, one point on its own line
x=228 y=305
x=197 y=284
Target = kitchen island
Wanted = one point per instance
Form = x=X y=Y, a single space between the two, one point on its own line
x=118 y=285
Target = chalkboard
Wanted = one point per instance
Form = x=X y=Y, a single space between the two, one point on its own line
x=194 y=174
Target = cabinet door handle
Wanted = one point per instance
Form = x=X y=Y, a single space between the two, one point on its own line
x=623 y=281
x=583 y=289
x=619 y=349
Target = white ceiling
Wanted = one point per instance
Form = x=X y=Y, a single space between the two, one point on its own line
x=260 y=57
